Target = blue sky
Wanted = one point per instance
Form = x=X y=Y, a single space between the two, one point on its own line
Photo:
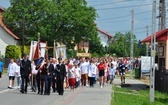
x=115 y=15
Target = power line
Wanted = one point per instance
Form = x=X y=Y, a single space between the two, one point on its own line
x=124 y=16
x=140 y=5
x=124 y=20
x=111 y=3
x=122 y=7
x=137 y=32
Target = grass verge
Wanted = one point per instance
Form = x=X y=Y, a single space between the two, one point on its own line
x=123 y=96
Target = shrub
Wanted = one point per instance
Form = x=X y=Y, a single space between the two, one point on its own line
x=95 y=54
x=13 y=51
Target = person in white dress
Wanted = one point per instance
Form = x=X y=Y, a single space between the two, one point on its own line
x=115 y=64
x=77 y=73
x=17 y=75
x=84 y=71
x=11 y=73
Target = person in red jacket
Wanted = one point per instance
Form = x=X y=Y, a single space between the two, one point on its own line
x=101 y=68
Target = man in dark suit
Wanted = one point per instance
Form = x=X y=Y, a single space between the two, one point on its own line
x=25 y=71
x=48 y=78
x=54 y=75
x=61 y=76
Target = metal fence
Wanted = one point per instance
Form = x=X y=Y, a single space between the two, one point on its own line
x=5 y=61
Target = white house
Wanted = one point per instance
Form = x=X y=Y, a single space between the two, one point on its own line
x=6 y=36
x=104 y=37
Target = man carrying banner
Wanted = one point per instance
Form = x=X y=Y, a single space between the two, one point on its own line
x=42 y=71
x=48 y=78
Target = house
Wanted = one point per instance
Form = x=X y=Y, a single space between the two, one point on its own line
x=104 y=37
x=161 y=74
x=83 y=46
x=7 y=37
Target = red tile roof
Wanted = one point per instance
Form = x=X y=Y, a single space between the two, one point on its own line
x=105 y=33
x=160 y=36
x=4 y=27
x=2 y=9
x=9 y=32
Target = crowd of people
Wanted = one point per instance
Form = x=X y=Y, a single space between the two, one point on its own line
x=56 y=74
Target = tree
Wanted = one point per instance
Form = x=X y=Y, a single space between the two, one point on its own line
x=95 y=46
x=121 y=45
x=142 y=48
x=65 y=21
x=118 y=45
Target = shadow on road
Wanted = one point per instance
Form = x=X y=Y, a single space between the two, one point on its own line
x=135 y=86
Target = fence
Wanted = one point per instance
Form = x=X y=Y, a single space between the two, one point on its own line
x=161 y=78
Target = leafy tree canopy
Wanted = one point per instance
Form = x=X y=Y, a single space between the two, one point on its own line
x=65 y=21
x=121 y=45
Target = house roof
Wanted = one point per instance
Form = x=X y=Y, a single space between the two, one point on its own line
x=2 y=9
x=105 y=33
x=160 y=36
x=9 y=31
x=4 y=27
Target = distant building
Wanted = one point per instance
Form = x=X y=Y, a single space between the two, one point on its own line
x=104 y=37
x=6 y=36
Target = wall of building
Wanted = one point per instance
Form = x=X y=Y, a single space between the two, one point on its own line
x=5 y=40
x=103 y=39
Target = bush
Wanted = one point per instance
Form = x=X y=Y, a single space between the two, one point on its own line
x=26 y=49
x=13 y=51
x=71 y=53
x=95 y=54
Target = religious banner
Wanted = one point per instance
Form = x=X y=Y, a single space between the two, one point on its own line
x=61 y=51
x=83 y=55
x=86 y=49
x=33 y=48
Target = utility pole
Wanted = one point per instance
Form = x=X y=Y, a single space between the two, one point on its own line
x=162 y=15
x=147 y=47
x=153 y=52
x=132 y=43
x=23 y=32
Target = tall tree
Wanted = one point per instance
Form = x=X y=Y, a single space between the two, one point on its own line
x=121 y=45
x=65 y=21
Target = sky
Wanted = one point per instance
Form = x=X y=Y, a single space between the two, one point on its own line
x=115 y=15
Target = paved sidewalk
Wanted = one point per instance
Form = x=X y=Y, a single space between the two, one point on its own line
x=90 y=96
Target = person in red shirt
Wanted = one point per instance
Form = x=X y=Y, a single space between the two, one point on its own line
x=101 y=68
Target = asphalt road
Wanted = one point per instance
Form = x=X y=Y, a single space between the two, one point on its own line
x=81 y=96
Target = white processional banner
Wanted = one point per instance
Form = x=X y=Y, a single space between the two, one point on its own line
x=33 y=47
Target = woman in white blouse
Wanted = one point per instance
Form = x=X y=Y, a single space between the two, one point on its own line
x=71 y=77
x=92 y=73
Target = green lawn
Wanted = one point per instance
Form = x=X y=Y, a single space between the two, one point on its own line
x=122 y=96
